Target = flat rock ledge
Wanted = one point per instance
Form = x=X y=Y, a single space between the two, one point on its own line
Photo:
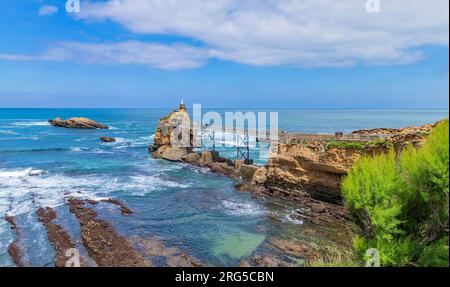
x=103 y=243
x=57 y=236
x=77 y=123
x=14 y=250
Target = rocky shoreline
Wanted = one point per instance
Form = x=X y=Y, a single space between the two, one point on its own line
x=57 y=236
x=307 y=174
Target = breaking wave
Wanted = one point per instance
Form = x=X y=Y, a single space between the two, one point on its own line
x=241 y=208
x=30 y=124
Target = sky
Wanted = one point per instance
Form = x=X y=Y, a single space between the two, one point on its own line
x=262 y=54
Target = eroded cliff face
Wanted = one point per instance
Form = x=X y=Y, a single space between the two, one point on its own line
x=312 y=170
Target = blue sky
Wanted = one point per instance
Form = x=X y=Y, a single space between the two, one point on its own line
x=144 y=54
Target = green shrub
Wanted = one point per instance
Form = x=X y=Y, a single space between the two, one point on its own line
x=382 y=143
x=346 y=144
x=401 y=203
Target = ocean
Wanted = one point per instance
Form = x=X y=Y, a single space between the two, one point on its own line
x=186 y=207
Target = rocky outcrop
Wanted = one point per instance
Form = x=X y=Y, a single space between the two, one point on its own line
x=307 y=172
x=389 y=131
x=315 y=170
x=16 y=254
x=299 y=169
x=77 y=123
x=171 y=153
x=174 y=137
x=107 y=139
x=103 y=243
x=57 y=236
x=14 y=250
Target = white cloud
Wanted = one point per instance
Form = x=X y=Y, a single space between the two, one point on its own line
x=14 y=57
x=289 y=32
x=47 y=10
x=168 y=57
x=308 y=33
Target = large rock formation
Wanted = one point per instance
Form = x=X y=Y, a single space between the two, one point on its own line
x=174 y=137
x=77 y=123
x=311 y=169
x=315 y=170
x=309 y=172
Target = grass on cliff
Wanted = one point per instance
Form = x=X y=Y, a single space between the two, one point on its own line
x=358 y=145
x=346 y=144
x=401 y=203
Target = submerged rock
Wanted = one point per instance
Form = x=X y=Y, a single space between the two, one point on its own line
x=107 y=139
x=57 y=236
x=124 y=210
x=16 y=254
x=172 y=256
x=103 y=243
x=77 y=123
x=14 y=250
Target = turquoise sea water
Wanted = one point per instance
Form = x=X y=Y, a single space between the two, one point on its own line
x=187 y=207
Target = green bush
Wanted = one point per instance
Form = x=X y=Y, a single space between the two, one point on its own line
x=346 y=144
x=401 y=203
x=381 y=143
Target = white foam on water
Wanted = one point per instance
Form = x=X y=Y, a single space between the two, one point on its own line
x=201 y=170
x=8 y=132
x=19 y=187
x=292 y=219
x=78 y=149
x=89 y=150
x=241 y=208
x=121 y=140
x=143 y=184
x=31 y=124
x=17 y=173
x=32 y=138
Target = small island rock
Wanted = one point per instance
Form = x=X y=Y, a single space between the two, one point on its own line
x=77 y=123
x=107 y=139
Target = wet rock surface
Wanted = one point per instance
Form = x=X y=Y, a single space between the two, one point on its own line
x=265 y=261
x=77 y=123
x=58 y=237
x=107 y=139
x=14 y=250
x=155 y=249
x=10 y=219
x=125 y=210
x=103 y=243
x=16 y=254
